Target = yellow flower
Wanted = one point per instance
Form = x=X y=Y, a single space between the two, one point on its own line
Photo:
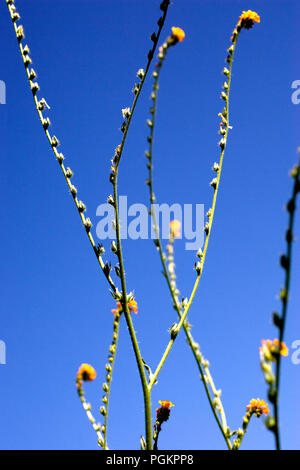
x=118 y=309
x=258 y=407
x=269 y=349
x=178 y=34
x=175 y=227
x=132 y=305
x=163 y=413
x=86 y=372
x=165 y=404
x=248 y=18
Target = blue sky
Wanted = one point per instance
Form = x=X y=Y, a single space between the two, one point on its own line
x=55 y=305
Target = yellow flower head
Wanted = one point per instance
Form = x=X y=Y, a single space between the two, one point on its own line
x=258 y=407
x=270 y=349
x=132 y=305
x=86 y=373
x=248 y=18
x=163 y=413
x=165 y=404
x=175 y=227
x=118 y=309
x=178 y=34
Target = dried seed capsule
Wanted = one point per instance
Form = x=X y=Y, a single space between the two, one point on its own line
x=60 y=157
x=25 y=50
x=88 y=224
x=15 y=17
x=34 y=87
x=32 y=74
x=81 y=206
x=69 y=173
x=46 y=123
x=73 y=190
x=141 y=73
x=20 y=33
x=27 y=61
x=54 y=141
x=214 y=183
x=198 y=267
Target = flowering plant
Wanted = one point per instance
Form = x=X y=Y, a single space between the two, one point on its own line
x=126 y=303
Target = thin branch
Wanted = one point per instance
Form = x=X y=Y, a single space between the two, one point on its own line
x=88 y=409
x=41 y=105
x=109 y=371
x=114 y=179
x=286 y=261
x=172 y=287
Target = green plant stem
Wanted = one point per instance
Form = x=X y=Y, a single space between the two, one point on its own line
x=289 y=241
x=88 y=409
x=56 y=153
x=156 y=435
x=142 y=373
x=147 y=399
x=183 y=315
x=150 y=57
x=111 y=364
x=241 y=434
x=146 y=389
x=212 y=211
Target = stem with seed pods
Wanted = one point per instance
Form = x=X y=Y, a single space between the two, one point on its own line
x=284 y=294
x=215 y=183
x=155 y=38
x=53 y=141
x=109 y=370
x=88 y=409
x=124 y=300
x=181 y=308
x=40 y=106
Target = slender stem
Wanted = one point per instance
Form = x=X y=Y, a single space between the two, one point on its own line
x=114 y=178
x=207 y=379
x=109 y=369
x=161 y=21
x=241 y=433
x=88 y=409
x=209 y=225
x=40 y=106
x=156 y=435
x=284 y=298
x=172 y=288
x=80 y=206
x=139 y=360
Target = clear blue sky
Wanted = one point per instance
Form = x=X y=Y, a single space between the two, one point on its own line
x=55 y=305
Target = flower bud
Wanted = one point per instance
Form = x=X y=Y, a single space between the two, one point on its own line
x=214 y=183
x=73 y=190
x=81 y=206
x=113 y=247
x=69 y=173
x=88 y=224
x=198 y=268
x=141 y=73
